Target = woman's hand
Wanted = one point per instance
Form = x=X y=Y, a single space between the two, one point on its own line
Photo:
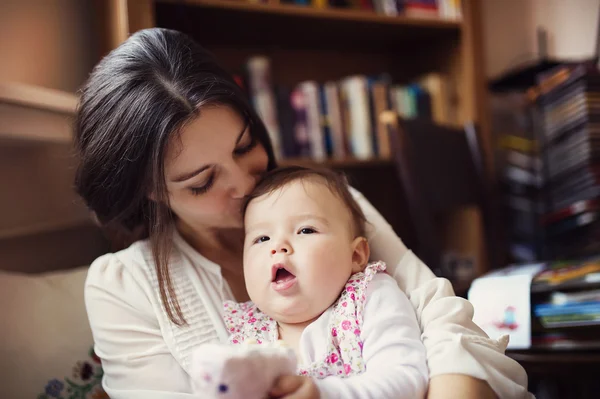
x=458 y=386
x=295 y=387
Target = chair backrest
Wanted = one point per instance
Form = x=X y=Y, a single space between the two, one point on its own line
x=440 y=168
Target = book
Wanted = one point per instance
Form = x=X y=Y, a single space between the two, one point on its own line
x=335 y=120
x=263 y=98
x=316 y=137
x=360 y=134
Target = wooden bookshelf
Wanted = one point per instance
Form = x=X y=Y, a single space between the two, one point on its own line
x=350 y=15
x=35 y=114
x=306 y=43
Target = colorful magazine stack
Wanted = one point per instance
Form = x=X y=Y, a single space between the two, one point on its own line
x=541 y=305
x=566 y=305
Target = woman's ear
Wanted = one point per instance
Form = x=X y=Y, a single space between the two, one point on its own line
x=360 y=254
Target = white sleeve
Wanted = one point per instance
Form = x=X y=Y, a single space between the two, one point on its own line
x=394 y=355
x=136 y=361
x=454 y=343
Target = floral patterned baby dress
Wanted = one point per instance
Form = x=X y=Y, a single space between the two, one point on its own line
x=344 y=355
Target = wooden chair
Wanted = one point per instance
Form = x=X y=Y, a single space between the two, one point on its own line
x=440 y=169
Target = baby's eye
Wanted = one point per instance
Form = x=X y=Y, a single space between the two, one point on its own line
x=262 y=239
x=306 y=230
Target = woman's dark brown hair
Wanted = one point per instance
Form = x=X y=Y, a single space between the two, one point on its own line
x=334 y=181
x=133 y=104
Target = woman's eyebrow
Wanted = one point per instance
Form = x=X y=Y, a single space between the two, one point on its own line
x=186 y=176
x=239 y=138
x=189 y=175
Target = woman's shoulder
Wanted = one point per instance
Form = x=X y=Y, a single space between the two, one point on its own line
x=134 y=262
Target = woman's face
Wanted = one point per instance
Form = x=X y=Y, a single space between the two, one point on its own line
x=210 y=167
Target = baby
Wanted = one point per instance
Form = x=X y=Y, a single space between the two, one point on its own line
x=306 y=268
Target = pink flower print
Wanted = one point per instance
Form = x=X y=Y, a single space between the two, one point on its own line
x=346 y=325
x=235 y=341
x=232 y=329
x=360 y=345
x=357 y=331
x=334 y=332
x=258 y=341
x=350 y=281
x=333 y=358
x=234 y=311
x=350 y=289
x=352 y=296
x=251 y=314
x=252 y=320
x=264 y=328
x=347 y=368
x=344 y=304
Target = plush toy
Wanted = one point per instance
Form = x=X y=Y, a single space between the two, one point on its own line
x=246 y=371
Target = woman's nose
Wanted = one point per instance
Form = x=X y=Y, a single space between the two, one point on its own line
x=243 y=182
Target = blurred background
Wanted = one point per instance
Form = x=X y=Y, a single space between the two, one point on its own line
x=469 y=124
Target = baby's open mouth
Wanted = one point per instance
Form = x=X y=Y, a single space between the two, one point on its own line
x=282 y=275
x=282 y=279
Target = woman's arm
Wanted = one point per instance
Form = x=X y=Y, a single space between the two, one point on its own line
x=136 y=361
x=455 y=344
x=459 y=386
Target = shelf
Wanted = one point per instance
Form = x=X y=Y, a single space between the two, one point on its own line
x=35 y=114
x=44 y=228
x=338 y=163
x=349 y=15
x=234 y=23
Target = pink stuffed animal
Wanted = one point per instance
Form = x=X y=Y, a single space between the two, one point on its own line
x=245 y=371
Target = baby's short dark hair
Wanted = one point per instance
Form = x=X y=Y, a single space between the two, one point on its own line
x=334 y=181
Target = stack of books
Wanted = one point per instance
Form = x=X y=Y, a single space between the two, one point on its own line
x=568 y=102
x=448 y=9
x=566 y=305
x=519 y=172
x=339 y=118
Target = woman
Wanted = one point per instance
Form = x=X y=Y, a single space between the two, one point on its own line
x=168 y=148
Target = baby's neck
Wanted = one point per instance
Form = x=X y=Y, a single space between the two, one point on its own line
x=291 y=333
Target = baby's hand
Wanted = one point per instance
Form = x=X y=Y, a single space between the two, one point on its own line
x=295 y=387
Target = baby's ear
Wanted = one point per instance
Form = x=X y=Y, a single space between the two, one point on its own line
x=360 y=254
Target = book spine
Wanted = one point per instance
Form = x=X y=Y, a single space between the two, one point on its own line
x=263 y=98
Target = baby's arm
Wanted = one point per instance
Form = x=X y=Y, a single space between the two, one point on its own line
x=395 y=358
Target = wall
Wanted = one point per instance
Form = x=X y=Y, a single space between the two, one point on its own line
x=46 y=42
x=510 y=30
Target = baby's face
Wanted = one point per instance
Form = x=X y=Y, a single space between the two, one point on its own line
x=298 y=251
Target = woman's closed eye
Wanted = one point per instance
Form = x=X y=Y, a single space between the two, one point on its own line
x=307 y=230
x=247 y=144
x=205 y=187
